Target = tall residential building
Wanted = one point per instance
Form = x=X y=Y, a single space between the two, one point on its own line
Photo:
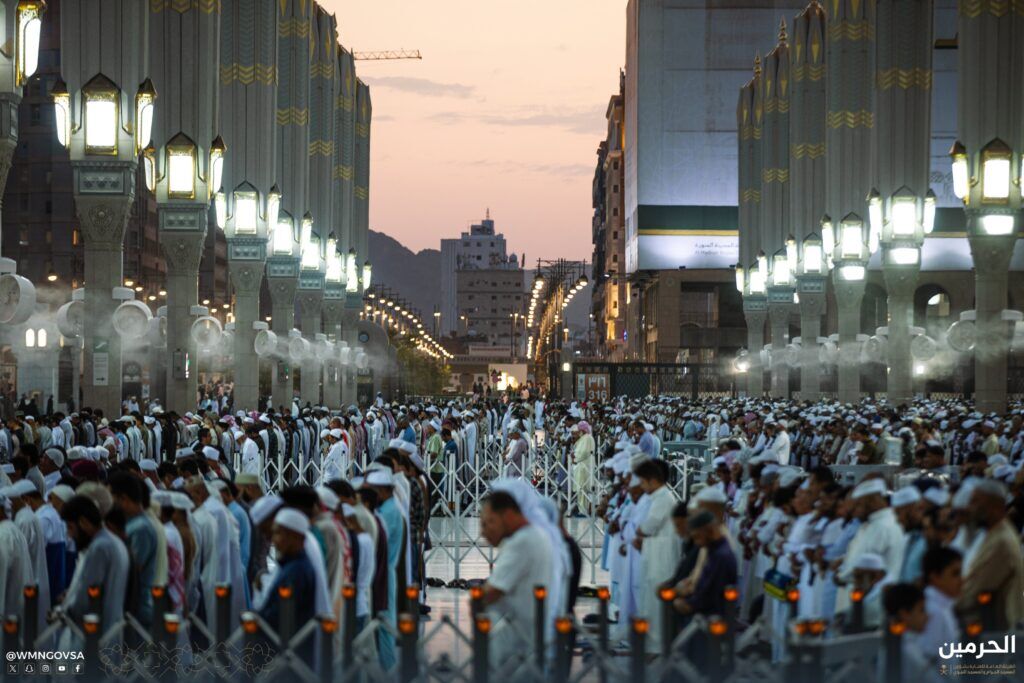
x=492 y=301
x=608 y=300
x=479 y=249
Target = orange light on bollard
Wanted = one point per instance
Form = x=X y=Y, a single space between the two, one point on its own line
x=476 y=592
x=348 y=592
x=792 y=595
x=603 y=593
x=984 y=598
x=816 y=627
x=801 y=628
x=483 y=624
x=412 y=593
x=667 y=594
x=540 y=592
x=222 y=591
x=641 y=625
x=11 y=625
x=249 y=624
x=897 y=628
x=731 y=594
x=328 y=625
x=856 y=595
x=563 y=625
x=717 y=627
x=171 y=623
x=973 y=630
x=31 y=591
x=285 y=592
x=406 y=625
x=91 y=624
x=93 y=591
x=157 y=592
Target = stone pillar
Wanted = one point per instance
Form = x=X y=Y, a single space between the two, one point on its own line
x=350 y=334
x=246 y=277
x=282 y=298
x=849 y=295
x=310 y=303
x=899 y=283
x=991 y=256
x=333 y=313
x=103 y=199
x=812 y=307
x=182 y=252
x=755 y=310
x=780 y=303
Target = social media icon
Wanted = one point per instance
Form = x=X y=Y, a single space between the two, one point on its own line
x=62 y=668
x=12 y=669
x=44 y=668
x=78 y=667
x=29 y=669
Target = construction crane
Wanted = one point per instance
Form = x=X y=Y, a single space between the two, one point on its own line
x=377 y=55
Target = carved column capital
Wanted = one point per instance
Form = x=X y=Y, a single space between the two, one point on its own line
x=182 y=251
x=103 y=219
x=246 y=276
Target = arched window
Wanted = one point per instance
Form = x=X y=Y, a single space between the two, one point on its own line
x=30 y=338
x=41 y=338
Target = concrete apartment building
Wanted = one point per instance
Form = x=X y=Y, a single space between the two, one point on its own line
x=492 y=301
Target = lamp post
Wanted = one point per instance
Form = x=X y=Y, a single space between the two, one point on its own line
x=901 y=208
x=810 y=286
x=188 y=167
x=249 y=202
x=987 y=177
x=104 y=108
x=16 y=66
x=850 y=62
x=755 y=310
x=292 y=141
x=780 y=305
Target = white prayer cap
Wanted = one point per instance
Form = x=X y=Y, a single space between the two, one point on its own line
x=7 y=468
x=328 y=498
x=55 y=455
x=869 y=561
x=719 y=461
x=149 y=419
x=181 y=501
x=147 y=465
x=292 y=519
x=347 y=510
x=63 y=492
x=1003 y=472
x=869 y=487
x=789 y=476
x=634 y=481
x=162 y=498
x=211 y=453
x=219 y=485
x=989 y=423
x=336 y=433
x=908 y=495
x=77 y=453
x=382 y=477
x=264 y=507
x=962 y=497
x=997 y=460
x=264 y=419
x=20 y=488
x=184 y=453
x=936 y=495
x=711 y=494
x=770 y=468
x=357 y=482
x=236 y=434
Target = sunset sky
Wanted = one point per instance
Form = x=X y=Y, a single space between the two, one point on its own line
x=505 y=111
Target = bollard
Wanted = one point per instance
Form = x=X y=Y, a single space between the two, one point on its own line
x=638 y=654
x=857 y=611
x=476 y=601
x=730 y=616
x=348 y=633
x=563 y=648
x=250 y=638
x=407 y=634
x=329 y=627
x=987 y=612
x=718 y=629
x=668 y=620
x=167 y=642
x=95 y=593
x=287 y=616
x=481 y=647
x=603 y=595
x=412 y=600
x=31 y=628
x=157 y=624
x=540 y=594
x=91 y=651
x=893 y=653
x=10 y=638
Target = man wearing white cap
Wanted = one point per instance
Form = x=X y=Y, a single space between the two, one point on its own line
x=382 y=481
x=336 y=462
x=250 y=452
x=295 y=575
x=517 y=452
x=26 y=521
x=870 y=577
x=879 y=533
x=906 y=503
x=15 y=563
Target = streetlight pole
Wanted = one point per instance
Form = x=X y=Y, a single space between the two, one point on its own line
x=749 y=279
x=249 y=202
x=850 y=59
x=987 y=177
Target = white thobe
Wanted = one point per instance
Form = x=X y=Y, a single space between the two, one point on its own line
x=658 y=556
x=336 y=463
x=32 y=530
x=15 y=568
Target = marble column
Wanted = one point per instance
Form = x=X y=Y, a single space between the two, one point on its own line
x=282 y=299
x=849 y=295
x=812 y=307
x=182 y=252
x=755 y=310
x=310 y=303
x=246 y=277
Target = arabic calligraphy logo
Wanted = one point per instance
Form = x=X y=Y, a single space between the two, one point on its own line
x=980 y=649
x=943 y=670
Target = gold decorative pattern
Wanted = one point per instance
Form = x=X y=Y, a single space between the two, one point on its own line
x=808 y=150
x=773 y=175
x=325 y=69
x=904 y=78
x=182 y=6
x=812 y=72
x=343 y=172
x=972 y=9
x=850 y=119
x=294 y=26
x=346 y=103
x=362 y=192
x=292 y=116
x=321 y=148
x=247 y=75
x=776 y=104
x=362 y=130
x=750 y=195
x=851 y=30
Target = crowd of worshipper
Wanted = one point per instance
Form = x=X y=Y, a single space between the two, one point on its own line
x=916 y=510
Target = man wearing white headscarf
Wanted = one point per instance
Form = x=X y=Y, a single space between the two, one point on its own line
x=30 y=527
x=15 y=563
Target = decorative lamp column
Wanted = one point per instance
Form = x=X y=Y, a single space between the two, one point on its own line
x=104 y=108
x=850 y=261
x=807 y=185
x=333 y=310
x=810 y=285
x=987 y=176
x=901 y=207
x=184 y=47
x=249 y=202
x=755 y=310
x=850 y=61
x=780 y=305
x=295 y=19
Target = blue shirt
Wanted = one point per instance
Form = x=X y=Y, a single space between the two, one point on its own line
x=296 y=572
x=142 y=544
x=647 y=444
